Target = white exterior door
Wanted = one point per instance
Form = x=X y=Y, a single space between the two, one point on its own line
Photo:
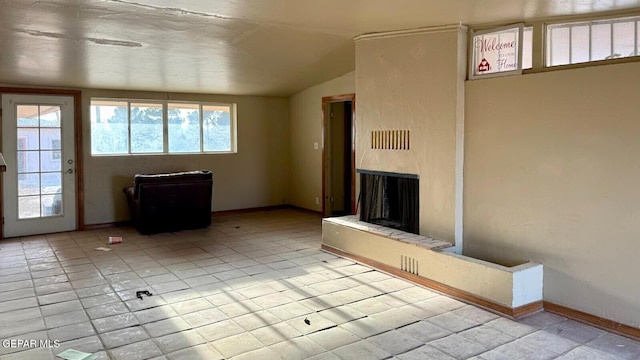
x=39 y=149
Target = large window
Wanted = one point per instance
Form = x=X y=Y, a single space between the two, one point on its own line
x=160 y=127
x=584 y=41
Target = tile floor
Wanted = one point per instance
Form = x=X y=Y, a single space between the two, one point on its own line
x=252 y=286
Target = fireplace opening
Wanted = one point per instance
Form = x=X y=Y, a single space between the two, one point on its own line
x=390 y=200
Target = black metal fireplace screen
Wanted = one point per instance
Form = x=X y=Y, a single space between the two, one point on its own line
x=390 y=200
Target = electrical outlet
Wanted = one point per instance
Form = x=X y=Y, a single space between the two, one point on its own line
x=317 y=201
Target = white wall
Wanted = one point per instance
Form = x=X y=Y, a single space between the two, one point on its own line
x=552 y=176
x=305 y=109
x=257 y=175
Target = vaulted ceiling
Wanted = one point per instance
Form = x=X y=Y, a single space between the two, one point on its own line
x=261 y=47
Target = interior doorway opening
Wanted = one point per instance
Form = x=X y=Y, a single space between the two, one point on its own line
x=338 y=155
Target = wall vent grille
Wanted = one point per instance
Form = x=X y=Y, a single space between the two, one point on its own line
x=409 y=264
x=390 y=139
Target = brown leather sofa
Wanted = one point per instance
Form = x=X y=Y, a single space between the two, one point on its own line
x=170 y=202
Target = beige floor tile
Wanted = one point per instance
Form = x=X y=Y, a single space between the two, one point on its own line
x=178 y=341
x=204 y=351
x=137 y=351
x=333 y=338
x=68 y=318
x=220 y=329
x=273 y=334
x=237 y=344
x=115 y=322
x=167 y=326
x=116 y=338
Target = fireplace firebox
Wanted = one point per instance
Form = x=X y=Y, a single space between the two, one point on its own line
x=390 y=199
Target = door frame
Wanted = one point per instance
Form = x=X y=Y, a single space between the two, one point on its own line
x=77 y=123
x=325 y=101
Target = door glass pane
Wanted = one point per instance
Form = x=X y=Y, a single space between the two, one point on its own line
x=50 y=161
x=216 y=120
x=184 y=128
x=28 y=161
x=146 y=128
x=28 y=207
x=28 y=184
x=51 y=183
x=28 y=139
x=51 y=205
x=50 y=115
x=27 y=115
x=50 y=139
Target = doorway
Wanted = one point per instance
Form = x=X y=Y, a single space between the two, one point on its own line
x=338 y=155
x=38 y=143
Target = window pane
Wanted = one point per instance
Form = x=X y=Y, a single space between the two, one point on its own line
x=146 y=128
x=527 y=48
x=580 y=44
x=559 y=46
x=624 y=39
x=109 y=132
x=184 y=128
x=216 y=132
x=600 y=41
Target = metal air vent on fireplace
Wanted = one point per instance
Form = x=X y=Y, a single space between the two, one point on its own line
x=409 y=264
x=390 y=139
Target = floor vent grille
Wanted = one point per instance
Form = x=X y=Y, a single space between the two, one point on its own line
x=409 y=264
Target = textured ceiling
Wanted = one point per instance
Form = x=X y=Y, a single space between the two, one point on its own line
x=262 y=47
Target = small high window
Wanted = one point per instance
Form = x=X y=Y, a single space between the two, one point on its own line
x=585 y=41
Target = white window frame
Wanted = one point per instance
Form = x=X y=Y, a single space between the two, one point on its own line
x=165 y=126
x=473 y=61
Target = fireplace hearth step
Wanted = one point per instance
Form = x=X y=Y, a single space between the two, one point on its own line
x=511 y=290
x=354 y=222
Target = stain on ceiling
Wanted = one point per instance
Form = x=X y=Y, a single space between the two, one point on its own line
x=244 y=47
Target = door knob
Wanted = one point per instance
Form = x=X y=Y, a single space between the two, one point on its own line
x=70 y=171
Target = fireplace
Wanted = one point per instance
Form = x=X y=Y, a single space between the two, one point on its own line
x=390 y=200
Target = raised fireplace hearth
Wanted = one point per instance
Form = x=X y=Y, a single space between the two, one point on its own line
x=390 y=199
